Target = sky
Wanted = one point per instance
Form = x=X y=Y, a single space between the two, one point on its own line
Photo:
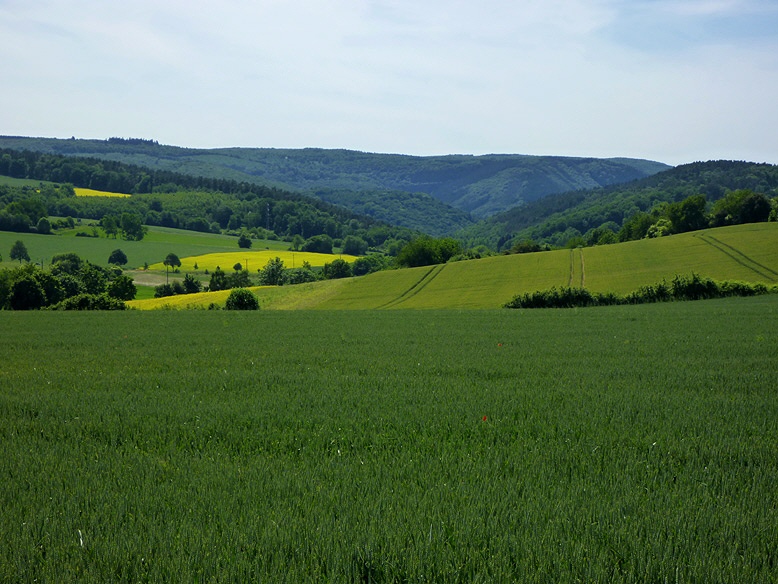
x=675 y=81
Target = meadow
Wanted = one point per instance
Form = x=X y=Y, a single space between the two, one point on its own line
x=616 y=444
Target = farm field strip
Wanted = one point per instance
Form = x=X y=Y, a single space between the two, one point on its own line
x=82 y=192
x=623 y=444
x=253 y=260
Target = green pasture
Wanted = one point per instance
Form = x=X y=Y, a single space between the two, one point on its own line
x=153 y=248
x=21 y=182
x=618 y=444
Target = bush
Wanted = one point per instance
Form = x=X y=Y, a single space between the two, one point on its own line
x=244 y=242
x=90 y=302
x=163 y=290
x=241 y=299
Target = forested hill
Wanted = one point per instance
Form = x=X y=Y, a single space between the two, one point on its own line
x=558 y=218
x=477 y=185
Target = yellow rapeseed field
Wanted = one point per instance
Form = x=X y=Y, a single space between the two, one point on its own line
x=92 y=193
x=253 y=260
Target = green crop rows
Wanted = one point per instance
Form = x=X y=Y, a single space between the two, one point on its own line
x=619 y=444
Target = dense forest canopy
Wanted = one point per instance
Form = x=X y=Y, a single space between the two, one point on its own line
x=558 y=219
x=474 y=185
x=172 y=200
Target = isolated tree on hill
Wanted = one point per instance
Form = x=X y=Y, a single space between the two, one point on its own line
x=244 y=241
x=117 y=257
x=171 y=261
x=19 y=252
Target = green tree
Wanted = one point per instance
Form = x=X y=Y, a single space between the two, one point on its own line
x=740 y=206
x=93 y=277
x=19 y=251
x=242 y=299
x=426 y=251
x=337 y=269
x=122 y=287
x=273 y=273
x=27 y=294
x=44 y=226
x=132 y=227
x=218 y=280
x=318 y=244
x=239 y=279
x=297 y=242
x=244 y=241
x=66 y=263
x=191 y=284
x=118 y=258
x=110 y=225
x=353 y=245
x=171 y=261
x=687 y=215
x=163 y=291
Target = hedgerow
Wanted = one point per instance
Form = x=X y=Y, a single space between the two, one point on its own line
x=693 y=287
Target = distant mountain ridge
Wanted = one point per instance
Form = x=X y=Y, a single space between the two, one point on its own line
x=480 y=186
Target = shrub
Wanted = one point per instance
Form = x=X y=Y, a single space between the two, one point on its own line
x=692 y=287
x=90 y=302
x=241 y=299
x=163 y=290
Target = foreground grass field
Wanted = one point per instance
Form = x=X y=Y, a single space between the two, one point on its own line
x=622 y=444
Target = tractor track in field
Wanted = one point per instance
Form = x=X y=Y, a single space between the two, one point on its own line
x=571 y=277
x=739 y=257
x=417 y=287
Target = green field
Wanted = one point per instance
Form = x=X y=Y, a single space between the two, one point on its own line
x=619 y=444
x=153 y=248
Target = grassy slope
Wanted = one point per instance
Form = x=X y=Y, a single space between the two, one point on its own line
x=752 y=256
x=743 y=252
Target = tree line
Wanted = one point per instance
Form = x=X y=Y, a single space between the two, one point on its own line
x=169 y=199
x=69 y=283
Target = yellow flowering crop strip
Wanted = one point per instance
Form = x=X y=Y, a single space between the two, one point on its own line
x=253 y=260
x=93 y=193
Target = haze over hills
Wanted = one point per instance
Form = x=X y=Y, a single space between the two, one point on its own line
x=479 y=186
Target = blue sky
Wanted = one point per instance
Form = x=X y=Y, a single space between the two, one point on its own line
x=669 y=80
